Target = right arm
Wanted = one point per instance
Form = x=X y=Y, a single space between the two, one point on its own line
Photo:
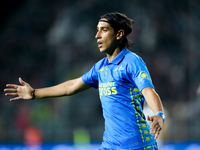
x=25 y=91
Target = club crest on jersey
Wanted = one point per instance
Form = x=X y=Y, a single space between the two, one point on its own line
x=143 y=75
x=105 y=70
x=101 y=69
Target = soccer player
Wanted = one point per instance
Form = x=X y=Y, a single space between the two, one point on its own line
x=124 y=83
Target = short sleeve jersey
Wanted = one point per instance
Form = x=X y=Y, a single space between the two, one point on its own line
x=120 y=83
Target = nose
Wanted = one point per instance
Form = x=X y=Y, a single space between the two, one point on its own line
x=97 y=36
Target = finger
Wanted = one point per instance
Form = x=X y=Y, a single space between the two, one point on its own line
x=12 y=86
x=148 y=118
x=153 y=130
x=154 y=126
x=14 y=99
x=157 y=134
x=21 y=81
x=10 y=90
x=156 y=130
x=11 y=94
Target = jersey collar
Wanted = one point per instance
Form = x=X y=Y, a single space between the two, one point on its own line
x=118 y=58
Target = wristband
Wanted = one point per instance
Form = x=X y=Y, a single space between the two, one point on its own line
x=33 y=94
x=162 y=115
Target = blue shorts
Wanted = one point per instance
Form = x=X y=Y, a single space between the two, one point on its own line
x=151 y=147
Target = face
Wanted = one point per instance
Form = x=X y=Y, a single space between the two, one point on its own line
x=106 y=38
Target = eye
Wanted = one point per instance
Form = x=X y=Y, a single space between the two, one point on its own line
x=105 y=30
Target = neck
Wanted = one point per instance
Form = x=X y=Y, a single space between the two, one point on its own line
x=114 y=54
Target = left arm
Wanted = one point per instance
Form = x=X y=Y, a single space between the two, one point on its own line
x=154 y=102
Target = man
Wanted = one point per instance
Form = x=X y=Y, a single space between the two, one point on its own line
x=124 y=84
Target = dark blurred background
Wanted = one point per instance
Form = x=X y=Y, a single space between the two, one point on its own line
x=47 y=42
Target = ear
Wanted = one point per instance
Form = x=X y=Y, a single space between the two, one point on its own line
x=120 y=33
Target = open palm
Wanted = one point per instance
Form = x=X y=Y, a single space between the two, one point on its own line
x=23 y=91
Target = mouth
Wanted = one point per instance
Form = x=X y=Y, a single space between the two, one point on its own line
x=99 y=44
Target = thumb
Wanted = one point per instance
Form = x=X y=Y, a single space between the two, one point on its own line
x=21 y=81
x=149 y=118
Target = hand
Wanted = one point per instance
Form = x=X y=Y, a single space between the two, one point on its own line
x=156 y=126
x=23 y=91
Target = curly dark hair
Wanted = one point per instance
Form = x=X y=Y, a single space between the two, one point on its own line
x=120 y=21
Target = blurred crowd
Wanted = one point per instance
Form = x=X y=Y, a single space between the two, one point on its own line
x=48 y=42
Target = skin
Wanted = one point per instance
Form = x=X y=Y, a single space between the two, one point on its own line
x=108 y=43
x=154 y=102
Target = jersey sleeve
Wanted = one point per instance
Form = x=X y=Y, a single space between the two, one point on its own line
x=139 y=74
x=91 y=78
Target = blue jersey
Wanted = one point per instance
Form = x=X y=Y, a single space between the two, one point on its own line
x=120 y=83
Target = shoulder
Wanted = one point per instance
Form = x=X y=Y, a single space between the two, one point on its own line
x=133 y=61
x=133 y=57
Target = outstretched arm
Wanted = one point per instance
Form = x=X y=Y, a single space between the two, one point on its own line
x=26 y=92
x=154 y=102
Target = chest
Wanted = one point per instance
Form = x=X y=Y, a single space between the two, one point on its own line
x=113 y=80
x=113 y=73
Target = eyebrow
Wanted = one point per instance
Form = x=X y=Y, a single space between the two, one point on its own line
x=102 y=27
